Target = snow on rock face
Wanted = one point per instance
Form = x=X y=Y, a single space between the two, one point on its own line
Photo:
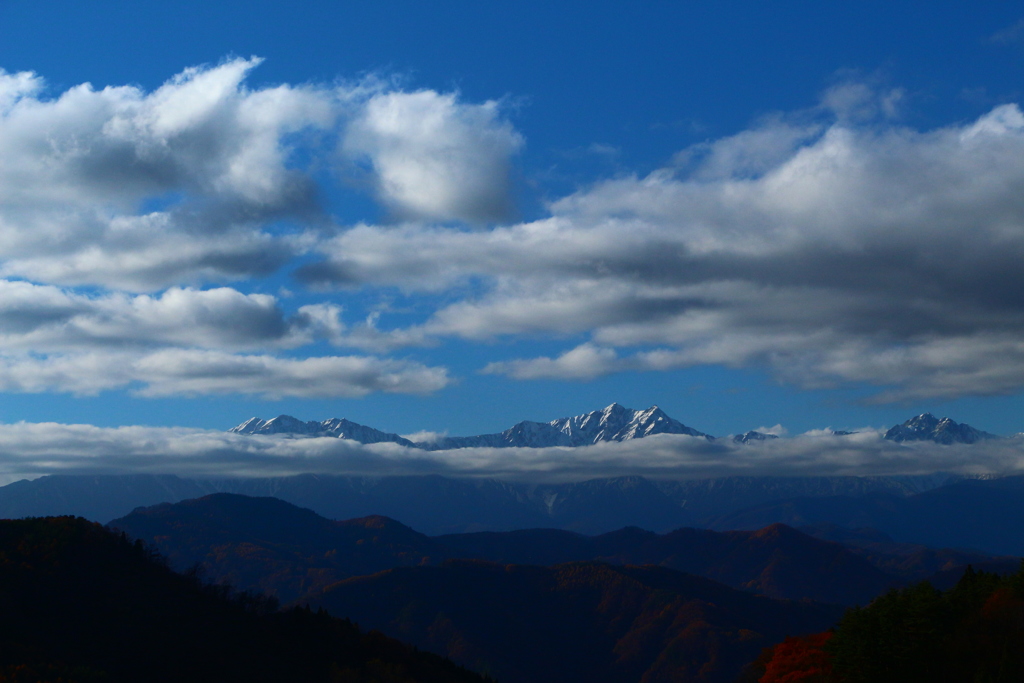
x=338 y=428
x=927 y=427
x=614 y=423
x=753 y=437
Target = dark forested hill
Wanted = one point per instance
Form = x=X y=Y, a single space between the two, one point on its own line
x=574 y=622
x=270 y=545
x=972 y=632
x=777 y=561
x=81 y=603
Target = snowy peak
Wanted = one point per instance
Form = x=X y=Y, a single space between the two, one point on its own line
x=753 y=437
x=614 y=423
x=335 y=427
x=282 y=424
x=927 y=427
x=617 y=423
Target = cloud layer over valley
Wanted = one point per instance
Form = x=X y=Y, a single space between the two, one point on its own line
x=28 y=450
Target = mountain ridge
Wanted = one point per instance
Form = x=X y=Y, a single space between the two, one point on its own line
x=267 y=544
x=927 y=427
x=613 y=423
x=441 y=505
x=580 y=621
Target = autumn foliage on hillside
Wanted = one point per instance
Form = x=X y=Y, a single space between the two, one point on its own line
x=972 y=632
x=800 y=660
x=583 y=621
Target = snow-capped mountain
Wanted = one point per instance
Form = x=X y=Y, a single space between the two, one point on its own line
x=339 y=428
x=614 y=423
x=927 y=427
x=753 y=437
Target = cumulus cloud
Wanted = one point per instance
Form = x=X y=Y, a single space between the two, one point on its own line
x=185 y=342
x=586 y=361
x=28 y=450
x=139 y=191
x=136 y=190
x=117 y=204
x=192 y=372
x=842 y=249
x=44 y=318
x=830 y=245
x=434 y=157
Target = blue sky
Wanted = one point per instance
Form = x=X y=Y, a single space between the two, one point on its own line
x=746 y=213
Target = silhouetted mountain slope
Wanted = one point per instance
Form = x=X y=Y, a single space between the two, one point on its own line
x=83 y=604
x=574 y=622
x=985 y=515
x=270 y=545
x=99 y=498
x=433 y=503
x=430 y=503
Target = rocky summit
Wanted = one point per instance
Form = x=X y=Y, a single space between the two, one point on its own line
x=753 y=437
x=334 y=427
x=927 y=427
x=614 y=423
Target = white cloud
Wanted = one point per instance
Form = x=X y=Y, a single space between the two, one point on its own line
x=830 y=245
x=80 y=169
x=28 y=450
x=185 y=342
x=829 y=251
x=777 y=430
x=44 y=318
x=117 y=204
x=434 y=157
x=139 y=191
x=192 y=372
x=425 y=436
x=586 y=361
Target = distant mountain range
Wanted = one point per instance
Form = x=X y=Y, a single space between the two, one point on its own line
x=287 y=551
x=542 y=605
x=940 y=511
x=614 y=423
x=927 y=427
x=536 y=606
x=437 y=505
